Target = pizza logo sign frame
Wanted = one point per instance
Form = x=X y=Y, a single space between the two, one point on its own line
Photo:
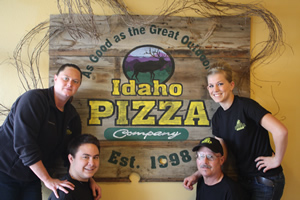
x=144 y=89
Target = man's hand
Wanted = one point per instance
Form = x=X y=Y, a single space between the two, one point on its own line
x=188 y=182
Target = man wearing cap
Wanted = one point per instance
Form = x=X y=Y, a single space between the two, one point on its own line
x=214 y=184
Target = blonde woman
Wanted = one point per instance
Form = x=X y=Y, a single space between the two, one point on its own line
x=242 y=125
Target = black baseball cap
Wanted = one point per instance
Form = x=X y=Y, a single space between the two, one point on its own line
x=211 y=143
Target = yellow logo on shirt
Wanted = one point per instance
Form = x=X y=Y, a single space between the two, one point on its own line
x=239 y=125
x=69 y=132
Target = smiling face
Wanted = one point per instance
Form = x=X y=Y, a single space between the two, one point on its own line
x=220 y=89
x=209 y=163
x=85 y=163
x=67 y=82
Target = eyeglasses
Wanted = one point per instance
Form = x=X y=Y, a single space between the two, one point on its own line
x=209 y=157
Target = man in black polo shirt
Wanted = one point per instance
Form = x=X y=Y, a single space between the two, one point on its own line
x=214 y=184
x=84 y=162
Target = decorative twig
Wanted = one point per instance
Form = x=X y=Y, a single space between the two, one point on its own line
x=81 y=12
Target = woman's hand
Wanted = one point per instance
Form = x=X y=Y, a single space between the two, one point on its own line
x=280 y=137
x=266 y=163
x=96 y=189
x=55 y=185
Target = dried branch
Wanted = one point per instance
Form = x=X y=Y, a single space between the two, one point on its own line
x=4 y=110
x=262 y=52
x=81 y=12
x=28 y=69
x=203 y=8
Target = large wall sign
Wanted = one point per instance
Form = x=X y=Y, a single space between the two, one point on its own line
x=144 y=92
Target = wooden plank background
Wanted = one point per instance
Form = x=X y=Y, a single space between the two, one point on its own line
x=152 y=160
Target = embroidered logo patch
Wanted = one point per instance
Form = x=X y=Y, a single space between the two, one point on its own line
x=69 y=132
x=239 y=125
x=207 y=140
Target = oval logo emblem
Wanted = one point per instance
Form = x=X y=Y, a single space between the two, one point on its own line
x=147 y=63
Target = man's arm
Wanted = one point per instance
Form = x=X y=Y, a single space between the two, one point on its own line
x=189 y=181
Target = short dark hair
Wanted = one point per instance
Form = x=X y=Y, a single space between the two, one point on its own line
x=80 y=140
x=62 y=68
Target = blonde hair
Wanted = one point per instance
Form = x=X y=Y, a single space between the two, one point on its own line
x=221 y=67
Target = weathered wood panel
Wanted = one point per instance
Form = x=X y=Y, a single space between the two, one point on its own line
x=152 y=163
x=131 y=119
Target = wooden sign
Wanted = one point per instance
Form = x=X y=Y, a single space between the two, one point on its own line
x=144 y=92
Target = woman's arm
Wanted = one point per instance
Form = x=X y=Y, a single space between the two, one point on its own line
x=53 y=184
x=280 y=137
x=224 y=147
x=96 y=189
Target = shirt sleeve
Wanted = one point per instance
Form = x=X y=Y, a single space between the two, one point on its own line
x=29 y=116
x=254 y=110
x=215 y=130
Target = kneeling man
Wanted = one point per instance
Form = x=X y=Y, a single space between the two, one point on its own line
x=214 y=184
x=83 y=155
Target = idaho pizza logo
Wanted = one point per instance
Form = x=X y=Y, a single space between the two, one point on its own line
x=147 y=63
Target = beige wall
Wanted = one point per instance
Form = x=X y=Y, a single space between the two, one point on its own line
x=273 y=83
